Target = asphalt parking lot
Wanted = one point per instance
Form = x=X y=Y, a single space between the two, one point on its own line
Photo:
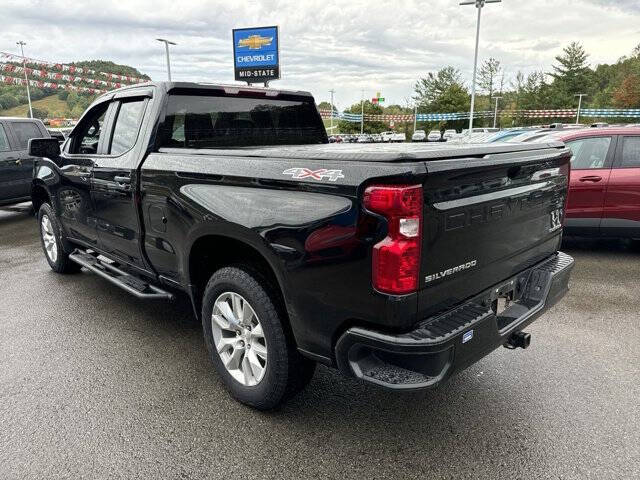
x=95 y=384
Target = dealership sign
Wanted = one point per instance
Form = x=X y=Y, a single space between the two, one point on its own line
x=256 y=57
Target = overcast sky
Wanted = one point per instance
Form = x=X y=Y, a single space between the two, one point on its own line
x=347 y=45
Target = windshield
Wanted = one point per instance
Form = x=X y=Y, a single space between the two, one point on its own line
x=215 y=120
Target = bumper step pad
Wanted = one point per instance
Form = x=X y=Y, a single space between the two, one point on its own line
x=443 y=344
x=110 y=271
x=451 y=323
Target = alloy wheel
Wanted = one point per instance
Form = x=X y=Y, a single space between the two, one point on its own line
x=49 y=239
x=239 y=339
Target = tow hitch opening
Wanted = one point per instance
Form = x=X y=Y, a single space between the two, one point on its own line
x=518 y=340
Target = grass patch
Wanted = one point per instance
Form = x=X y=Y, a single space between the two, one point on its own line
x=55 y=107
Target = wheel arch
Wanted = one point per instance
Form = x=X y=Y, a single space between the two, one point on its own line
x=39 y=195
x=212 y=251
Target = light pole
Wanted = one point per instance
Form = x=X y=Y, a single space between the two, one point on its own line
x=362 y=114
x=332 y=91
x=166 y=47
x=415 y=116
x=479 y=4
x=579 y=106
x=26 y=79
x=495 y=114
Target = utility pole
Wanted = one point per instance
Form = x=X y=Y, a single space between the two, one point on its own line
x=26 y=79
x=362 y=113
x=495 y=114
x=415 y=116
x=579 y=106
x=166 y=47
x=332 y=91
x=478 y=4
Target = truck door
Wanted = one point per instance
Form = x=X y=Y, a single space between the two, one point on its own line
x=590 y=170
x=118 y=224
x=77 y=162
x=621 y=216
x=10 y=176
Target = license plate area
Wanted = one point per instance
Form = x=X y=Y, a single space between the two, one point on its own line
x=505 y=304
x=502 y=303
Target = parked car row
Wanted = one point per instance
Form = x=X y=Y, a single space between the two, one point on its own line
x=384 y=137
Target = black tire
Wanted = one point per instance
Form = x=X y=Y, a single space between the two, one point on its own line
x=61 y=262
x=287 y=371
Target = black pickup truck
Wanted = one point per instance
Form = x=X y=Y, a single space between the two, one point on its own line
x=16 y=165
x=398 y=264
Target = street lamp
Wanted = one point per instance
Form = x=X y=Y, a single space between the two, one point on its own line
x=362 y=113
x=332 y=91
x=26 y=79
x=479 y=4
x=495 y=114
x=579 y=105
x=166 y=46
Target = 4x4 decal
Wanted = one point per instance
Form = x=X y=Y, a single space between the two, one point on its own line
x=321 y=174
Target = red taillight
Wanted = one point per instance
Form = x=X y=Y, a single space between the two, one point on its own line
x=396 y=259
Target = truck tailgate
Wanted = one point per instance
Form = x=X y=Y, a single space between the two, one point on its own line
x=488 y=218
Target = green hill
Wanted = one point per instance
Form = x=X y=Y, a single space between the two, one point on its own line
x=52 y=104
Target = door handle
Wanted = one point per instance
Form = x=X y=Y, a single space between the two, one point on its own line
x=591 y=178
x=122 y=183
x=18 y=162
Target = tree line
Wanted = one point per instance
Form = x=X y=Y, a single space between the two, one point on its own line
x=605 y=86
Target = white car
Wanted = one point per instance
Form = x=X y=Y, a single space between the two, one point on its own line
x=419 y=136
x=434 y=136
x=391 y=137
x=449 y=134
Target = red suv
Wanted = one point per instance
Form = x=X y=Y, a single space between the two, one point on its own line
x=604 y=193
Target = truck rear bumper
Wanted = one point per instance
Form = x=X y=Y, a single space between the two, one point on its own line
x=449 y=342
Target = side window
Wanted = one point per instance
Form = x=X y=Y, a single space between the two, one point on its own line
x=4 y=141
x=589 y=153
x=630 y=152
x=87 y=137
x=24 y=132
x=127 y=126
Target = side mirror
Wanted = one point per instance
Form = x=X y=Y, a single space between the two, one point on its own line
x=44 y=147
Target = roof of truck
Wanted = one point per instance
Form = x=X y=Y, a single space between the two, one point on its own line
x=229 y=88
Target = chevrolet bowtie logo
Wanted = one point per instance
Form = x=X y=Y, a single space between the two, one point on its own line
x=255 y=42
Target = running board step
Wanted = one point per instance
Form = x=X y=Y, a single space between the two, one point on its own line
x=108 y=270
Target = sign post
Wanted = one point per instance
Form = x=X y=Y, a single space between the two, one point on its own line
x=256 y=54
x=378 y=99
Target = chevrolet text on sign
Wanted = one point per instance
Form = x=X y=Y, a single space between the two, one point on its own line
x=256 y=57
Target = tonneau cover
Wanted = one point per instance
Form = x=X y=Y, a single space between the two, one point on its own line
x=398 y=152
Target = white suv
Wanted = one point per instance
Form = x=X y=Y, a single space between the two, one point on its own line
x=419 y=136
